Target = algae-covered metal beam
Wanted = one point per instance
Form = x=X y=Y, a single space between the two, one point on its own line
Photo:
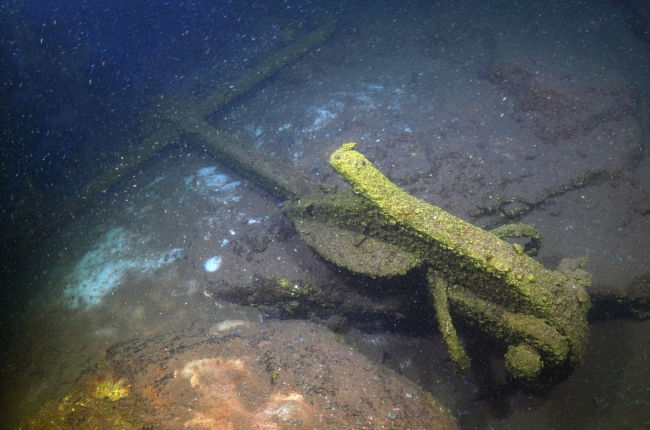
x=172 y=108
x=512 y=327
x=529 y=231
x=187 y=116
x=438 y=287
x=492 y=269
x=350 y=232
x=270 y=173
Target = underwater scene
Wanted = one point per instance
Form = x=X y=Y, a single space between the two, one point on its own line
x=311 y=214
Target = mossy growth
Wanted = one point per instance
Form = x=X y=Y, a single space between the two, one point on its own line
x=521 y=230
x=511 y=327
x=361 y=253
x=97 y=404
x=438 y=287
x=479 y=261
x=112 y=390
x=523 y=362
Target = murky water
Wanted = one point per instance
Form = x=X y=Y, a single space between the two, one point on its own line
x=185 y=275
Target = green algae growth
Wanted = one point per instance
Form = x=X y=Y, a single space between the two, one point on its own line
x=545 y=309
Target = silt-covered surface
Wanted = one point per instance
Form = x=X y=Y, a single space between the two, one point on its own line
x=244 y=375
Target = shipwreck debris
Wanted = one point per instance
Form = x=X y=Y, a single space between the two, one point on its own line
x=492 y=283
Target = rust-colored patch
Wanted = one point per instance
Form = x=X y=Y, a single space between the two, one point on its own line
x=278 y=375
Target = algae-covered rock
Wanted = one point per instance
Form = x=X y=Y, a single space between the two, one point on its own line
x=243 y=375
x=113 y=390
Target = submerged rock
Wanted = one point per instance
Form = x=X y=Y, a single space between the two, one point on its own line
x=260 y=376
